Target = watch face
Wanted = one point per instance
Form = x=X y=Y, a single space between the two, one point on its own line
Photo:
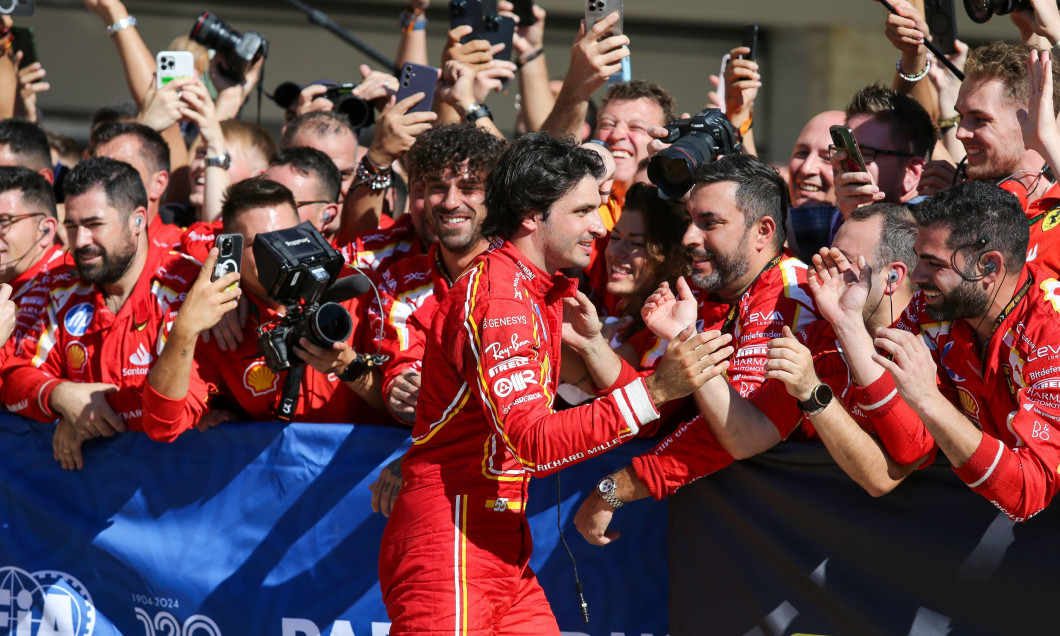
x=822 y=394
x=606 y=486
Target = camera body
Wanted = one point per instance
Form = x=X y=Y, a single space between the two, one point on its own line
x=358 y=111
x=296 y=266
x=694 y=141
x=982 y=10
x=238 y=50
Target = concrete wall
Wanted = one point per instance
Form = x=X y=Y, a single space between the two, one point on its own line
x=814 y=54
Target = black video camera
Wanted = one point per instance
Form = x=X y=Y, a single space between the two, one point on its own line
x=296 y=266
x=694 y=142
x=238 y=51
x=982 y=10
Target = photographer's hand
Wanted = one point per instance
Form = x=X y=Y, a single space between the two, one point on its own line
x=375 y=86
x=310 y=100
x=333 y=360
x=396 y=129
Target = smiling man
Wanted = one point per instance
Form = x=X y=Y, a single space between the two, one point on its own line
x=1000 y=352
x=86 y=357
x=455 y=552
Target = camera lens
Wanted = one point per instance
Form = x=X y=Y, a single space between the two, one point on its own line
x=982 y=10
x=358 y=111
x=331 y=324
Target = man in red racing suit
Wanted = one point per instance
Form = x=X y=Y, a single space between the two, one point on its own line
x=454 y=556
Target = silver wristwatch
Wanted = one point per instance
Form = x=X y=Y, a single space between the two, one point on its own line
x=223 y=161
x=606 y=490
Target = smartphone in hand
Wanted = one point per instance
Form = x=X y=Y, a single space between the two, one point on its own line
x=843 y=139
x=229 y=257
x=171 y=65
x=417 y=78
x=750 y=40
x=596 y=10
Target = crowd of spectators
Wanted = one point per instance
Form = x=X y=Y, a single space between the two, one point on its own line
x=560 y=301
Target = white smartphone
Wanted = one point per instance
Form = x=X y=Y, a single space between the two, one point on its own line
x=721 y=85
x=171 y=65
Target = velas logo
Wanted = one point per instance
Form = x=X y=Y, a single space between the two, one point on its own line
x=259 y=379
x=45 y=602
x=76 y=356
x=78 y=319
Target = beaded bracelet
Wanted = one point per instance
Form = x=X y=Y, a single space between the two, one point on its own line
x=912 y=79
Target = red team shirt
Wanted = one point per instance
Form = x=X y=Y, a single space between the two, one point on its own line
x=779 y=296
x=77 y=338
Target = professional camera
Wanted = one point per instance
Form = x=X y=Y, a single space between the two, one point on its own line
x=982 y=10
x=296 y=266
x=359 y=112
x=238 y=51
x=694 y=141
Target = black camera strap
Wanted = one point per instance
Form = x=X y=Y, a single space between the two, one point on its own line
x=292 y=390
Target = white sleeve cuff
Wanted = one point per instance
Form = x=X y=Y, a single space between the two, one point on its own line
x=636 y=407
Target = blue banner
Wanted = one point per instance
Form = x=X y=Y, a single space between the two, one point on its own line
x=262 y=528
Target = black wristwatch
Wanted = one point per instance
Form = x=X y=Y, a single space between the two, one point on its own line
x=606 y=490
x=476 y=111
x=820 y=397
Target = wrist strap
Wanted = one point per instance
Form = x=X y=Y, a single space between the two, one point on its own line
x=529 y=57
x=412 y=20
x=375 y=177
x=912 y=79
x=120 y=25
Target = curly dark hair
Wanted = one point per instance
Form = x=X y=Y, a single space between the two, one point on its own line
x=446 y=148
x=532 y=174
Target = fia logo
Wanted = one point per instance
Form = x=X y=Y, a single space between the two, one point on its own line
x=45 y=602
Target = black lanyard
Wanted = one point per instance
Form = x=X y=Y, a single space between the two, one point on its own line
x=441 y=266
x=1001 y=318
x=734 y=311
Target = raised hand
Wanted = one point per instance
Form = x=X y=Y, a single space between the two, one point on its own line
x=666 y=315
x=581 y=324
x=840 y=287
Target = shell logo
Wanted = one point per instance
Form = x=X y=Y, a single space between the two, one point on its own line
x=259 y=379
x=968 y=403
x=76 y=356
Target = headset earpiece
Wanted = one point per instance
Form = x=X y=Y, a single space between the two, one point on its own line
x=892 y=277
x=139 y=221
x=990 y=267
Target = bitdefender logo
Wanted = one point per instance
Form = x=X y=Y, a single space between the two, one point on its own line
x=45 y=602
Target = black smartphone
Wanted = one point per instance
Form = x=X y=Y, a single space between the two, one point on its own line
x=230 y=255
x=843 y=139
x=417 y=78
x=467 y=12
x=596 y=10
x=24 y=39
x=500 y=29
x=942 y=23
x=17 y=7
x=525 y=10
x=750 y=40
